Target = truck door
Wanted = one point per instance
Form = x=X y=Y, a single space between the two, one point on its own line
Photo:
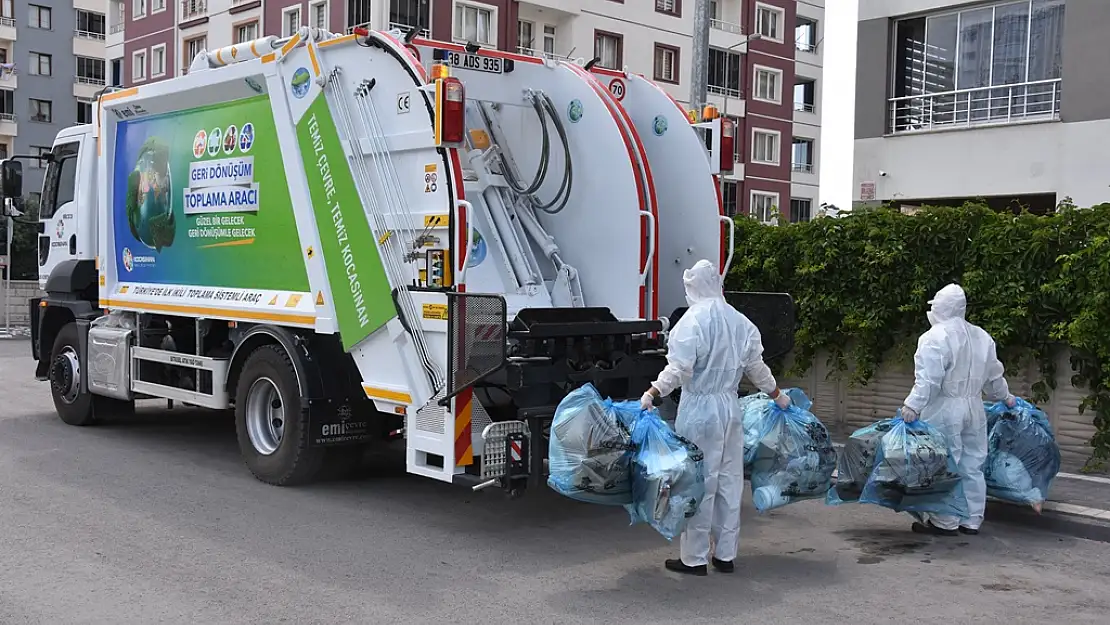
x=57 y=210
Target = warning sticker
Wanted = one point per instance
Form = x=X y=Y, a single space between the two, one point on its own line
x=431 y=178
x=437 y=312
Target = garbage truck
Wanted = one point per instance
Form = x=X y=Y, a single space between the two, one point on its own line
x=351 y=239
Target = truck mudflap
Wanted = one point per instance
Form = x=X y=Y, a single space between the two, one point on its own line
x=334 y=423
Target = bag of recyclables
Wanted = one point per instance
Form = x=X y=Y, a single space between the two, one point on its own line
x=788 y=454
x=1023 y=457
x=590 y=450
x=668 y=479
x=856 y=462
x=915 y=472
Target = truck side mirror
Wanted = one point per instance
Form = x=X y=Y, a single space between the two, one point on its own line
x=11 y=179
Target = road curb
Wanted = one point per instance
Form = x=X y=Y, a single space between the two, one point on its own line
x=1060 y=518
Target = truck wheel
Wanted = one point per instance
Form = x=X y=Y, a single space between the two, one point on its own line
x=65 y=375
x=272 y=428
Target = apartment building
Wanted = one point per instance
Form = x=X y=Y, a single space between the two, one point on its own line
x=999 y=100
x=51 y=69
x=769 y=86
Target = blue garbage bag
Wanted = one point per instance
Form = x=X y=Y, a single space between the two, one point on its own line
x=790 y=456
x=856 y=462
x=915 y=472
x=590 y=450
x=1023 y=457
x=668 y=479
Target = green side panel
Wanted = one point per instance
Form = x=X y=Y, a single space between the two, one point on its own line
x=200 y=198
x=359 y=285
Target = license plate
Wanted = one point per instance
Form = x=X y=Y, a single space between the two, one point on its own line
x=488 y=64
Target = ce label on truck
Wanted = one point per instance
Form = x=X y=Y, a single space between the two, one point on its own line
x=488 y=64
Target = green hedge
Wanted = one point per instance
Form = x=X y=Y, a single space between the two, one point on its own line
x=861 y=285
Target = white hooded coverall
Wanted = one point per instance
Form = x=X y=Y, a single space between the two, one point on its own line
x=955 y=365
x=708 y=350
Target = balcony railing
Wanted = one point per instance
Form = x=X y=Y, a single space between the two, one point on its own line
x=1010 y=104
x=192 y=9
x=541 y=54
x=116 y=28
x=804 y=107
x=803 y=168
x=728 y=27
x=425 y=33
x=728 y=92
x=88 y=34
x=7 y=117
x=7 y=21
x=805 y=46
x=86 y=80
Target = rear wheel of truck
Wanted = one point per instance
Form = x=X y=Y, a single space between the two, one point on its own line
x=64 y=374
x=271 y=426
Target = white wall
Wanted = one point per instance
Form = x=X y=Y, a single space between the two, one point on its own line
x=871 y=9
x=1055 y=157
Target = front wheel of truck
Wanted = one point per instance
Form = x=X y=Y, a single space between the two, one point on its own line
x=73 y=406
x=271 y=425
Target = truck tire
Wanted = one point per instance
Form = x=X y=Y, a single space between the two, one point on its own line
x=272 y=427
x=73 y=407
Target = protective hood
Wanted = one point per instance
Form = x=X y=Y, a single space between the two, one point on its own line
x=949 y=303
x=702 y=282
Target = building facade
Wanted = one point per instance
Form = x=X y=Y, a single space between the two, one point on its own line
x=770 y=86
x=51 y=69
x=1004 y=101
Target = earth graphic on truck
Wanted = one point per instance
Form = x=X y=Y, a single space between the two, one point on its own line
x=149 y=209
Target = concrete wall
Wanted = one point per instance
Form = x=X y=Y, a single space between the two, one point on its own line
x=22 y=290
x=1086 y=72
x=872 y=77
x=843 y=408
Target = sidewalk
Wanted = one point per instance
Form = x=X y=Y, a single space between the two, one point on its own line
x=1078 y=505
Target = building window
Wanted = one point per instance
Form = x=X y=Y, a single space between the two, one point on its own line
x=157 y=6
x=670 y=7
x=117 y=72
x=737 y=145
x=40 y=17
x=763 y=206
x=42 y=111
x=724 y=73
x=3 y=151
x=41 y=64
x=90 y=25
x=802 y=158
x=39 y=151
x=191 y=48
x=193 y=9
x=609 y=48
x=138 y=9
x=158 y=61
x=728 y=197
x=765 y=147
x=404 y=15
x=805 y=35
x=800 y=210
x=476 y=24
x=84 y=112
x=318 y=14
x=1003 y=61
x=90 y=71
x=138 y=66
x=7 y=105
x=290 y=21
x=805 y=95
x=769 y=21
x=548 y=39
x=246 y=32
x=525 y=37
x=768 y=84
x=666 y=63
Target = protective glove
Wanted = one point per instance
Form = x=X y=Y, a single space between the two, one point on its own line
x=1011 y=401
x=909 y=415
x=782 y=400
x=647 y=401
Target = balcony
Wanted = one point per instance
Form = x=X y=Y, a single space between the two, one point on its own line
x=425 y=33
x=8 y=125
x=566 y=7
x=87 y=88
x=1030 y=102
x=541 y=54
x=727 y=27
x=802 y=168
x=805 y=46
x=804 y=107
x=7 y=29
x=193 y=10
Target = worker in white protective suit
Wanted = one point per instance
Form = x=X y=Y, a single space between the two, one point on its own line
x=708 y=351
x=956 y=364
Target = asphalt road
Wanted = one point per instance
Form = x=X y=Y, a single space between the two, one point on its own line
x=157 y=521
